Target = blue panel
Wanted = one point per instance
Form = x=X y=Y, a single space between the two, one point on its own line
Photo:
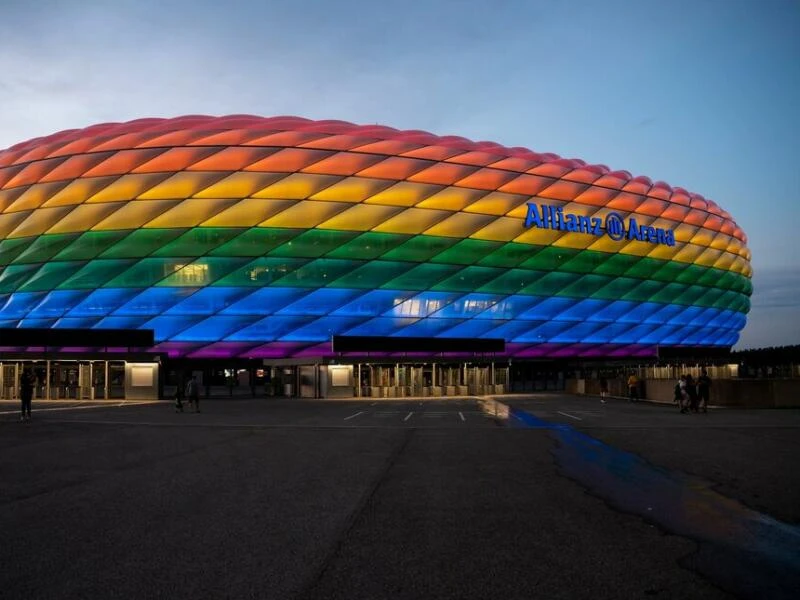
x=427 y=327
x=320 y=302
x=265 y=301
x=722 y=319
x=585 y=310
x=269 y=329
x=154 y=301
x=468 y=306
x=544 y=332
x=103 y=302
x=121 y=323
x=20 y=304
x=321 y=330
x=9 y=323
x=381 y=326
x=512 y=329
x=636 y=334
x=510 y=308
x=686 y=315
x=209 y=300
x=76 y=323
x=549 y=308
x=613 y=311
x=58 y=302
x=667 y=313
x=607 y=333
x=164 y=327
x=577 y=332
x=642 y=313
x=472 y=328
x=37 y=323
x=422 y=305
x=373 y=303
x=677 y=335
x=703 y=317
x=214 y=328
x=661 y=333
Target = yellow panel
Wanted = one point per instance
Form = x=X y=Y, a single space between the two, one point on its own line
x=404 y=193
x=352 y=189
x=742 y=267
x=9 y=222
x=297 y=186
x=575 y=240
x=684 y=233
x=248 y=212
x=606 y=244
x=497 y=203
x=708 y=257
x=412 y=220
x=459 y=225
x=725 y=261
x=503 y=229
x=79 y=190
x=39 y=221
x=520 y=212
x=84 y=217
x=664 y=252
x=306 y=214
x=191 y=212
x=688 y=253
x=360 y=217
x=703 y=237
x=636 y=248
x=127 y=187
x=135 y=214
x=452 y=198
x=239 y=185
x=35 y=196
x=181 y=185
x=534 y=235
x=582 y=210
x=722 y=241
x=7 y=197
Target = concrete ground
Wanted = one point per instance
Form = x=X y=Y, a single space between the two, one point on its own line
x=373 y=499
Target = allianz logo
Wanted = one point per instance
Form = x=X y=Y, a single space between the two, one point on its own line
x=545 y=216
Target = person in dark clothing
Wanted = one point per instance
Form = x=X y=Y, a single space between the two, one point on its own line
x=193 y=393
x=26 y=384
x=704 y=389
x=691 y=390
x=603 y=389
x=179 y=397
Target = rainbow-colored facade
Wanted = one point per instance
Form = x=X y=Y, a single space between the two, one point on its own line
x=254 y=237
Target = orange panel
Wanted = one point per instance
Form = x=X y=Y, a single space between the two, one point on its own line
x=75 y=166
x=122 y=162
x=390 y=147
x=337 y=142
x=8 y=174
x=9 y=158
x=728 y=227
x=519 y=165
x=36 y=195
x=550 y=170
x=696 y=217
x=625 y=201
x=285 y=138
x=527 y=185
x=174 y=138
x=679 y=198
x=7 y=197
x=343 y=163
x=432 y=152
x=122 y=142
x=78 y=190
x=581 y=175
x=659 y=192
x=38 y=152
x=637 y=187
x=442 y=174
x=234 y=158
x=231 y=137
x=478 y=159
x=596 y=196
x=676 y=212
x=395 y=167
x=175 y=159
x=610 y=181
x=652 y=207
x=713 y=222
x=289 y=160
x=486 y=179
x=34 y=172
x=563 y=190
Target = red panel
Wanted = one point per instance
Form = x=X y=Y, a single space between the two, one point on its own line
x=479 y=159
x=233 y=137
x=395 y=167
x=9 y=173
x=284 y=138
x=390 y=147
x=174 y=138
x=443 y=173
x=343 y=163
x=175 y=159
x=581 y=175
x=550 y=169
x=75 y=166
x=337 y=142
x=289 y=160
x=433 y=152
x=122 y=142
x=518 y=164
x=680 y=198
x=123 y=162
x=34 y=172
x=611 y=181
x=233 y=158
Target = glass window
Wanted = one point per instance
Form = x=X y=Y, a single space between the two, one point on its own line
x=320 y=302
x=261 y=271
x=95 y=273
x=141 y=242
x=264 y=301
x=45 y=247
x=90 y=244
x=198 y=241
x=256 y=241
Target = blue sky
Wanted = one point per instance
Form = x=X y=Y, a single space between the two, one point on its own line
x=703 y=94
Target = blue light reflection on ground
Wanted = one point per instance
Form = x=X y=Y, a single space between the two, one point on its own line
x=739 y=549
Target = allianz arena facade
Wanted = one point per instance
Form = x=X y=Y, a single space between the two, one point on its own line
x=263 y=238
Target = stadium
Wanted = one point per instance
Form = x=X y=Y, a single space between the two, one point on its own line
x=323 y=258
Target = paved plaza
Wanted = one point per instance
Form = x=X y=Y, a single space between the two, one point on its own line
x=537 y=496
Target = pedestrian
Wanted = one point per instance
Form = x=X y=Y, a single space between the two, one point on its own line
x=704 y=389
x=633 y=387
x=683 y=397
x=677 y=397
x=603 y=389
x=179 y=397
x=26 y=383
x=691 y=391
x=193 y=393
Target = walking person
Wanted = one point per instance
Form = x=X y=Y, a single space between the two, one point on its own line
x=633 y=387
x=603 y=389
x=26 y=383
x=193 y=393
x=704 y=389
x=179 y=397
x=691 y=391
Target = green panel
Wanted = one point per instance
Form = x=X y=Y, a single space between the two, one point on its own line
x=585 y=261
x=256 y=241
x=141 y=243
x=710 y=296
x=467 y=252
x=468 y=279
x=421 y=277
x=552 y=284
x=509 y=255
x=691 y=274
x=718 y=278
x=420 y=248
x=616 y=288
x=617 y=264
x=550 y=258
x=645 y=268
x=668 y=270
x=745 y=285
x=13 y=275
x=585 y=286
x=314 y=243
x=147 y=272
x=319 y=272
x=261 y=271
x=513 y=281
x=49 y=276
x=644 y=291
x=10 y=249
x=90 y=244
x=690 y=295
x=669 y=292
x=204 y=271
x=95 y=273
x=369 y=245
x=45 y=247
x=199 y=241
x=371 y=275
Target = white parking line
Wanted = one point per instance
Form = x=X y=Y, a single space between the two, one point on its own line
x=570 y=416
x=408 y=416
x=79 y=407
x=361 y=412
x=460 y=414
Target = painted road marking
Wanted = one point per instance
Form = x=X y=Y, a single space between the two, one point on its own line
x=361 y=412
x=460 y=414
x=570 y=416
x=408 y=416
x=78 y=407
